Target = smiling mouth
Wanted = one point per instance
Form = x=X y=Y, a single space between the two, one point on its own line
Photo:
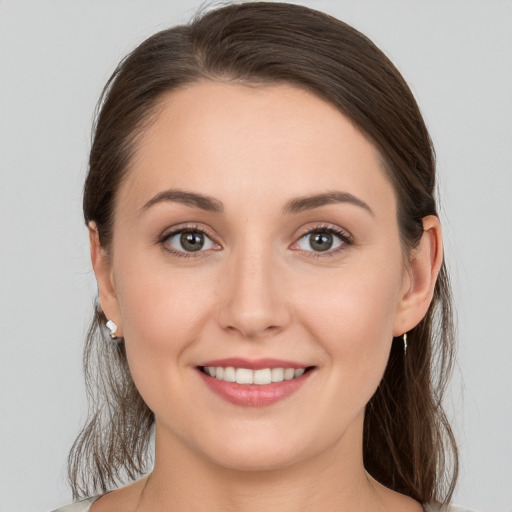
x=261 y=377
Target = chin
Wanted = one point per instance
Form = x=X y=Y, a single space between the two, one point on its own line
x=254 y=460
x=268 y=450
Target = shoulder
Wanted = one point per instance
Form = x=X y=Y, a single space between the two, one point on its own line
x=79 y=506
x=118 y=499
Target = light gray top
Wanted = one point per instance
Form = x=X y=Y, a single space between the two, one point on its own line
x=85 y=505
x=79 y=506
x=450 y=508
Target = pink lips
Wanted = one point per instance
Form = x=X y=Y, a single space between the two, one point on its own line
x=253 y=395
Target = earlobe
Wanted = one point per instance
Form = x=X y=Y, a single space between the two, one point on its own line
x=103 y=271
x=424 y=266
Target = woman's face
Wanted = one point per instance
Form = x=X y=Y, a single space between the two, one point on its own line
x=256 y=230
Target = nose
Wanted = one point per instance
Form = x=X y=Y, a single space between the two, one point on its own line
x=252 y=295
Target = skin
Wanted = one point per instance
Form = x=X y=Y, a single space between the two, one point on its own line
x=259 y=290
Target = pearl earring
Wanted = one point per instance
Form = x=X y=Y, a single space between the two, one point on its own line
x=405 y=342
x=112 y=327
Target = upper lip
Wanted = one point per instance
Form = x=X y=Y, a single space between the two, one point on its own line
x=254 y=364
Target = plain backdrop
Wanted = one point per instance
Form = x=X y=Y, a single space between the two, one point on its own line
x=55 y=56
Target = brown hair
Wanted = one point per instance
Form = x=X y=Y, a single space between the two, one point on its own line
x=408 y=444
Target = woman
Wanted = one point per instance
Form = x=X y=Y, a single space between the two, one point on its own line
x=273 y=302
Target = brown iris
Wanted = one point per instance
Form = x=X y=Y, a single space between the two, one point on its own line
x=321 y=241
x=192 y=241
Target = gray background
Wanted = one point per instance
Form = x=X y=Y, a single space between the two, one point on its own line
x=54 y=58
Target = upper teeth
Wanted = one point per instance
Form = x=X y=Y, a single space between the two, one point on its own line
x=247 y=376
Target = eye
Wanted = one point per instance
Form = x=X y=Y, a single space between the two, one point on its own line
x=188 y=240
x=323 y=240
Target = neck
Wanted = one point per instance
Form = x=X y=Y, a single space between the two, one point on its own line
x=330 y=481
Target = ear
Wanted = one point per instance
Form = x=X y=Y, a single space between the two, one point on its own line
x=423 y=268
x=103 y=270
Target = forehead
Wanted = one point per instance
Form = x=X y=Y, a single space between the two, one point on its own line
x=230 y=140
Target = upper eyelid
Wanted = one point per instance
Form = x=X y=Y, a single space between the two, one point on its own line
x=326 y=227
x=175 y=231
x=187 y=227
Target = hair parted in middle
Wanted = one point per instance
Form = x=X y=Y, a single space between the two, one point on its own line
x=408 y=443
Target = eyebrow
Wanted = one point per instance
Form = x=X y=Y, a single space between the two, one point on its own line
x=203 y=202
x=296 y=205
x=305 y=203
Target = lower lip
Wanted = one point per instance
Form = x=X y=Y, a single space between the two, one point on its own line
x=254 y=395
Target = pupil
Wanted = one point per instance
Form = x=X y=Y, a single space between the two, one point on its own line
x=192 y=241
x=321 y=241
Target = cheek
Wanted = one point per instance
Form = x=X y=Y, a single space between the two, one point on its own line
x=352 y=317
x=160 y=305
x=356 y=303
x=163 y=312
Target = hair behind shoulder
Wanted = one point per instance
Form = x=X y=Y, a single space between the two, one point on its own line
x=408 y=443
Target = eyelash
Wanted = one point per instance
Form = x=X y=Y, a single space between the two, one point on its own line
x=183 y=254
x=345 y=238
